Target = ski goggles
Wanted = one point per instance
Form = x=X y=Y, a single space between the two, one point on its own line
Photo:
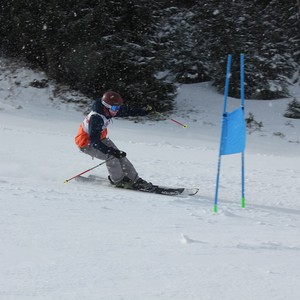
x=111 y=107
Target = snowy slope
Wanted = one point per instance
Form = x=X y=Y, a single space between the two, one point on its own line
x=78 y=241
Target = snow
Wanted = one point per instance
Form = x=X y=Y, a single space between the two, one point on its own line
x=79 y=241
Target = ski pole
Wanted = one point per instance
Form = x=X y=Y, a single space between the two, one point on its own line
x=183 y=125
x=67 y=180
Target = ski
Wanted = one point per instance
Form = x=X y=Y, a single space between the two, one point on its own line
x=155 y=189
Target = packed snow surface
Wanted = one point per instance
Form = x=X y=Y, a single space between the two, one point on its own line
x=79 y=241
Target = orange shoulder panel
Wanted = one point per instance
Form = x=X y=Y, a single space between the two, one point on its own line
x=103 y=134
x=82 y=138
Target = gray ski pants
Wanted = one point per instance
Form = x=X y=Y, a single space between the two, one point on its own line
x=117 y=167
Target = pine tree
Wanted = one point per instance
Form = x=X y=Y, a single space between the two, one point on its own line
x=143 y=49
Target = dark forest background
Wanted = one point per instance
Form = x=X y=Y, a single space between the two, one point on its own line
x=144 y=48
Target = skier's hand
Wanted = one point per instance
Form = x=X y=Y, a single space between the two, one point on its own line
x=116 y=153
x=149 y=108
x=146 y=110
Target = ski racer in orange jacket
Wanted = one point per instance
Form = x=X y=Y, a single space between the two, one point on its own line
x=92 y=139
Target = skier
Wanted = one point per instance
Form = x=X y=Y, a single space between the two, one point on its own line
x=92 y=139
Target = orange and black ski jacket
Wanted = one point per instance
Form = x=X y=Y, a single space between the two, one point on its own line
x=93 y=129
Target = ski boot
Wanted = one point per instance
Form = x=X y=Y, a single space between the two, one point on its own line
x=142 y=184
x=125 y=183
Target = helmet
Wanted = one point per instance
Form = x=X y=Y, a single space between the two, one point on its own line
x=112 y=98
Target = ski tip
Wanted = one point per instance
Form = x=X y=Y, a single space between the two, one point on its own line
x=196 y=190
x=191 y=191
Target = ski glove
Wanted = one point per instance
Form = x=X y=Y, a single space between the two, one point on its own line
x=147 y=110
x=116 y=153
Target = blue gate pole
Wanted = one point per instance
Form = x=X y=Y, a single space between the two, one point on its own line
x=228 y=75
x=242 y=77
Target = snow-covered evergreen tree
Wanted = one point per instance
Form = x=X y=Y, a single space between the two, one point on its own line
x=143 y=48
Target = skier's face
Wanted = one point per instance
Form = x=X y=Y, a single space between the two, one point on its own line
x=113 y=113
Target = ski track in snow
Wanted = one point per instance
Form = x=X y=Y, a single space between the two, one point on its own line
x=50 y=216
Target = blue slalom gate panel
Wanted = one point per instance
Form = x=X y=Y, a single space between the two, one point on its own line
x=233 y=139
x=233 y=132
